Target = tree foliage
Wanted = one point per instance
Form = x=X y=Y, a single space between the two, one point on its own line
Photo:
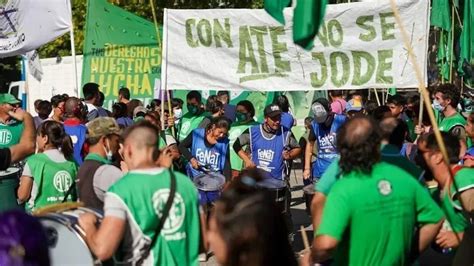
x=62 y=46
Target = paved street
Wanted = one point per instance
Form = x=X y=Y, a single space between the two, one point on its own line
x=298 y=211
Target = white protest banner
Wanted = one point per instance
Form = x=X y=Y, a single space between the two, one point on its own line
x=359 y=46
x=26 y=25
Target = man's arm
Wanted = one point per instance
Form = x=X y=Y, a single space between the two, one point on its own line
x=309 y=153
x=239 y=143
x=27 y=143
x=323 y=248
x=317 y=206
x=428 y=233
x=105 y=240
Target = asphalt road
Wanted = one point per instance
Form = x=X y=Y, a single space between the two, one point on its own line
x=298 y=211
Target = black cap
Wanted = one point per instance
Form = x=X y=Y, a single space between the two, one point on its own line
x=272 y=110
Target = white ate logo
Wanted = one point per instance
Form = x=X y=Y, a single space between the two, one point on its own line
x=62 y=181
x=385 y=188
x=5 y=136
x=185 y=127
x=177 y=212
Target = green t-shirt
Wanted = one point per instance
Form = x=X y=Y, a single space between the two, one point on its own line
x=188 y=123
x=52 y=179
x=376 y=229
x=390 y=154
x=235 y=131
x=10 y=133
x=145 y=195
x=450 y=202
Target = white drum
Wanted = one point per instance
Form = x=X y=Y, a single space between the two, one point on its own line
x=65 y=238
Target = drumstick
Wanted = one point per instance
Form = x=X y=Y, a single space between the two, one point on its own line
x=305 y=239
x=57 y=208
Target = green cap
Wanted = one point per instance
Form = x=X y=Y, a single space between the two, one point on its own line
x=102 y=126
x=8 y=98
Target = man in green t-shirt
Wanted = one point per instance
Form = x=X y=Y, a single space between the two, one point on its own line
x=446 y=100
x=371 y=213
x=18 y=141
x=193 y=118
x=134 y=205
x=393 y=133
x=451 y=196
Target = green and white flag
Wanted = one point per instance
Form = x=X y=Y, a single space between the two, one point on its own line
x=467 y=36
x=120 y=50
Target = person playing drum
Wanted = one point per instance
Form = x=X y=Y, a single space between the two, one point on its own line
x=135 y=204
x=49 y=176
x=207 y=150
x=270 y=147
x=17 y=141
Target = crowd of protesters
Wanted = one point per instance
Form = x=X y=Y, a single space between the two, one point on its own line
x=383 y=192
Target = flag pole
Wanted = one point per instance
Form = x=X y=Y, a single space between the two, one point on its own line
x=451 y=52
x=73 y=53
x=425 y=93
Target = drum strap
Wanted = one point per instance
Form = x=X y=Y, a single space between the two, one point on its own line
x=166 y=211
x=69 y=191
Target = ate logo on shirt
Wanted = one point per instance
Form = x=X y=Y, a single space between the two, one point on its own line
x=185 y=127
x=5 y=136
x=207 y=156
x=177 y=212
x=265 y=155
x=62 y=181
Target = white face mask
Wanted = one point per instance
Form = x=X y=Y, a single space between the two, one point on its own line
x=178 y=113
x=108 y=152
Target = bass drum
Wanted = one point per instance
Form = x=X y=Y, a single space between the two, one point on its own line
x=65 y=238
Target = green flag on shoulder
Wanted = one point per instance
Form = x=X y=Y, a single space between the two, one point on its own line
x=308 y=16
x=441 y=14
x=275 y=9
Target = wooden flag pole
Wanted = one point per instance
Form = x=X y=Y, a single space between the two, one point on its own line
x=424 y=92
x=163 y=88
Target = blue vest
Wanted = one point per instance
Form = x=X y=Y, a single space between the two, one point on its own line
x=213 y=157
x=78 y=137
x=267 y=154
x=287 y=121
x=326 y=140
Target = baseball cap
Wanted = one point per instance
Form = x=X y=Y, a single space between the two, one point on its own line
x=102 y=126
x=320 y=112
x=272 y=110
x=139 y=109
x=354 y=105
x=8 y=98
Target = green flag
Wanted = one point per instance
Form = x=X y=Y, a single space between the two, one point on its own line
x=308 y=16
x=444 y=53
x=467 y=36
x=120 y=50
x=275 y=9
x=441 y=14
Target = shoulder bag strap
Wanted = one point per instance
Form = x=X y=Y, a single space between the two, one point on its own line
x=166 y=211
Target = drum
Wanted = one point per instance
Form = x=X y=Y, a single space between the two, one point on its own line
x=308 y=194
x=65 y=238
x=209 y=186
x=9 y=181
x=277 y=189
